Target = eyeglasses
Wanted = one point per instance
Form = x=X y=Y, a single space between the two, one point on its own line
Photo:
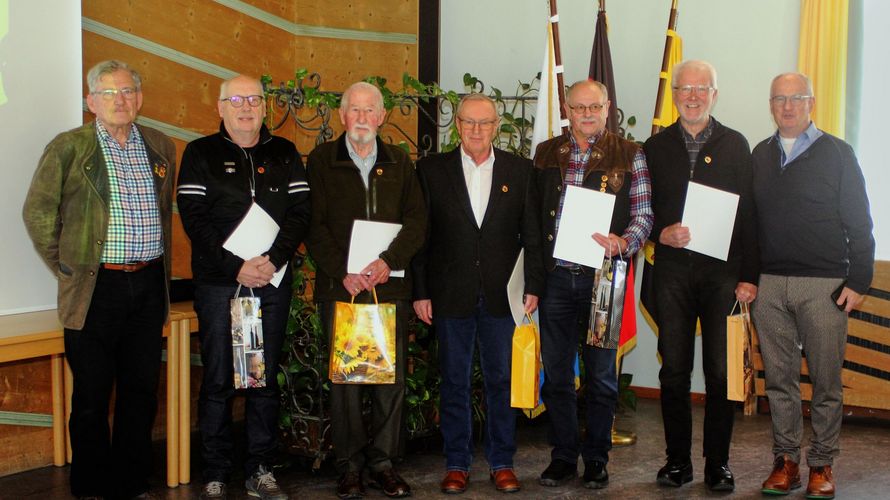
x=483 y=125
x=700 y=90
x=796 y=99
x=128 y=93
x=581 y=109
x=238 y=100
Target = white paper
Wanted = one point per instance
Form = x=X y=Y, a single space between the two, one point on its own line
x=710 y=216
x=254 y=235
x=370 y=239
x=584 y=212
x=516 y=289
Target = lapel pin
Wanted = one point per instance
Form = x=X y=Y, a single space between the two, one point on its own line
x=261 y=170
x=161 y=171
x=708 y=160
x=379 y=171
x=504 y=188
x=230 y=170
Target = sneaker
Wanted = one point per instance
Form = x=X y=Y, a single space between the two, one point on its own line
x=595 y=475
x=214 y=490
x=558 y=472
x=262 y=484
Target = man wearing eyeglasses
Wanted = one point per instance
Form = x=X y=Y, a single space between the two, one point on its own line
x=591 y=157
x=691 y=287
x=99 y=214
x=817 y=253
x=483 y=209
x=222 y=177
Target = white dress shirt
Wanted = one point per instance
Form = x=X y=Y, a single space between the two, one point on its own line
x=478 y=179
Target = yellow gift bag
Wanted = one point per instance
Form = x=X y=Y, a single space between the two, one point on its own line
x=363 y=343
x=526 y=368
x=739 y=365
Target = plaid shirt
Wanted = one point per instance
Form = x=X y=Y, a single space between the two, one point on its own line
x=694 y=144
x=134 y=222
x=641 y=216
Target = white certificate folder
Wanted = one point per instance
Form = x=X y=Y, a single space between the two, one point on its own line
x=254 y=235
x=370 y=239
x=584 y=212
x=709 y=214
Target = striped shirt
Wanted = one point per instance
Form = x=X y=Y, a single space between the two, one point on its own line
x=134 y=221
x=694 y=144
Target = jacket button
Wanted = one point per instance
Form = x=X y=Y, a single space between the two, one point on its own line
x=92 y=273
x=549 y=237
x=553 y=213
x=559 y=188
x=477 y=263
x=98 y=242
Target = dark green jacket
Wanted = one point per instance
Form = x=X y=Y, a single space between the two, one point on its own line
x=66 y=211
x=339 y=197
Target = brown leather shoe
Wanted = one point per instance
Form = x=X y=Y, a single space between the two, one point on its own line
x=350 y=486
x=784 y=477
x=391 y=483
x=455 y=481
x=821 y=484
x=505 y=480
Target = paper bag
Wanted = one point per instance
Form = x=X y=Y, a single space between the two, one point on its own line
x=607 y=304
x=739 y=365
x=526 y=366
x=248 y=358
x=363 y=343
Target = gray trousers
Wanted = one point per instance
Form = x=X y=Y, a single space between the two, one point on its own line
x=357 y=444
x=791 y=313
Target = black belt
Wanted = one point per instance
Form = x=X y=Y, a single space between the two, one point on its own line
x=574 y=270
x=130 y=267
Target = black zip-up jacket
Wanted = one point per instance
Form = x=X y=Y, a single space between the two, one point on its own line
x=214 y=194
x=724 y=162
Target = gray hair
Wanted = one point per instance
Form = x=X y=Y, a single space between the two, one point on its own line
x=694 y=64
x=805 y=78
x=588 y=83
x=476 y=96
x=107 y=68
x=344 y=101
x=224 y=86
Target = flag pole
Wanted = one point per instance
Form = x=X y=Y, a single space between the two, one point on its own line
x=557 y=59
x=672 y=26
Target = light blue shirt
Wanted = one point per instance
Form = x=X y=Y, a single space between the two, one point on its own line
x=801 y=144
x=364 y=164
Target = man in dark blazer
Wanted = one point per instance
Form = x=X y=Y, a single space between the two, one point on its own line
x=482 y=210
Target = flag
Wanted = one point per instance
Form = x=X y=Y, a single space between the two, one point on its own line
x=668 y=113
x=647 y=288
x=547 y=114
x=601 y=67
x=627 y=338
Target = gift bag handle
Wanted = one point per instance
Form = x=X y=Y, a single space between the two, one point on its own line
x=373 y=294
x=238 y=291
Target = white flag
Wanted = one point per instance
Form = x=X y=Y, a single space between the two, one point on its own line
x=547 y=121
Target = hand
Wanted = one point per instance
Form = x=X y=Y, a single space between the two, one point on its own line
x=355 y=283
x=531 y=303
x=613 y=243
x=675 y=235
x=424 y=310
x=268 y=267
x=852 y=299
x=254 y=272
x=745 y=292
x=377 y=272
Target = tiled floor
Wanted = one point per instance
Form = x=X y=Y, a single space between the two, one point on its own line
x=861 y=471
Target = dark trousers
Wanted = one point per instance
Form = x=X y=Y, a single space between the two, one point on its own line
x=120 y=345
x=458 y=338
x=355 y=445
x=218 y=386
x=702 y=290
x=565 y=314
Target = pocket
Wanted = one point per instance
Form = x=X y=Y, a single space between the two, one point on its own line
x=64 y=272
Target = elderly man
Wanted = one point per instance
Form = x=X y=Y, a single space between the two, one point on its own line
x=98 y=212
x=223 y=175
x=692 y=287
x=590 y=157
x=817 y=253
x=482 y=207
x=359 y=177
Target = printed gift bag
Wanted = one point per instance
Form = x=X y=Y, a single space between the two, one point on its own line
x=363 y=344
x=607 y=304
x=739 y=365
x=247 y=341
x=526 y=367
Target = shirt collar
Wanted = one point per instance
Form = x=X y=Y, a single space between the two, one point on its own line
x=465 y=158
x=355 y=156
x=811 y=133
x=106 y=137
x=702 y=136
x=590 y=140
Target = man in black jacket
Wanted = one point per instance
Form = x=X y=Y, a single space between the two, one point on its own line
x=818 y=252
x=482 y=210
x=222 y=176
x=690 y=286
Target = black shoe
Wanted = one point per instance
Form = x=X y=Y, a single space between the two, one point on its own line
x=391 y=483
x=675 y=473
x=595 y=475
x=350 y=486
x=718 y=477
x=558 y=473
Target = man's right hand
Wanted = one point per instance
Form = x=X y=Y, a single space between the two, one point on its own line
x=355 y=283
x=424 y=310
x=675 y=235
x=255 y=272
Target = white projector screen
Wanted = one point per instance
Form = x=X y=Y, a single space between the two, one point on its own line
x=40 y=96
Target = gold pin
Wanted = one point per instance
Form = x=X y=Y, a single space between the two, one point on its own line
x=504 y=188
x=604 y=178
x=708 y=160
x=379 y=171
x=161 y=171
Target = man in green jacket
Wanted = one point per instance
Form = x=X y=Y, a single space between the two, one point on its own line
x=359 y=177
x=98 y=213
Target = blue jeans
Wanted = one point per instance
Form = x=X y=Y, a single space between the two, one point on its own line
x=457 y=339
x=218 y=386
x=565 y=313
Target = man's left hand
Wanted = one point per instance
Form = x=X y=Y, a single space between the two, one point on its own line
x=745 y=292
x=613 y=243
x=531 y=303
x=377 y=272
x=852 y=299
